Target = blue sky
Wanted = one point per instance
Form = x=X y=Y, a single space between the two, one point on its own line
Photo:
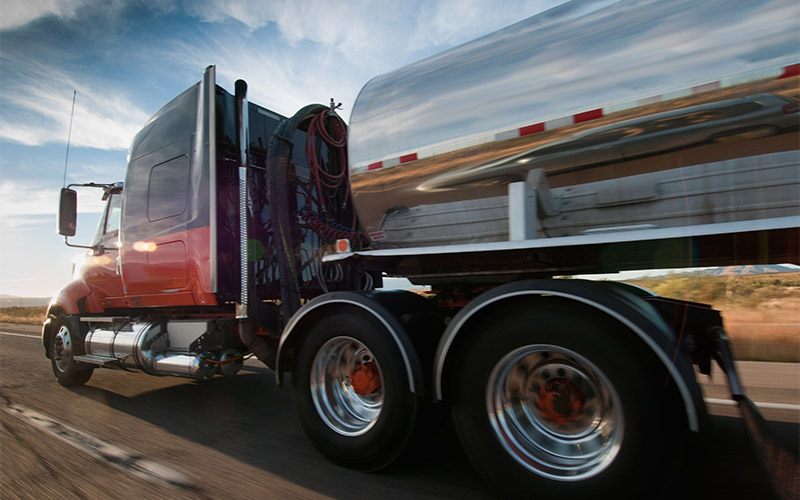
x=127 y=58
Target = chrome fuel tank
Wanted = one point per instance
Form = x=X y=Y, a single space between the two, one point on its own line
x=588 y=92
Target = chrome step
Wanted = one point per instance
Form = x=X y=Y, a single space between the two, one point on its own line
x=95 y=360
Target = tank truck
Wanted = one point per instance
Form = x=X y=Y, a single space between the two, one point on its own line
x=595 y=137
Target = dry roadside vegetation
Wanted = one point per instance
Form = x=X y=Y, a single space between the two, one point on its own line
x=761 y=311
x=23 y=315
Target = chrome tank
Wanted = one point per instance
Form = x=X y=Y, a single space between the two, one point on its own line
x=588 y=92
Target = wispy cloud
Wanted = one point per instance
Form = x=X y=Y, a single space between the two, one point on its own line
x=361 y=32
x=325 y=49
x=38 y=101
x=17 y=199
x=372 y=33
x=16 y=224
x=275 y=79
x=16 y=14
x=329 y=49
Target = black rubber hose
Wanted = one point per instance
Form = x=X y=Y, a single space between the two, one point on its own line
x=279 y=193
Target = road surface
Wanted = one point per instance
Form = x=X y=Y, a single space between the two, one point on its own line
x=134 y=436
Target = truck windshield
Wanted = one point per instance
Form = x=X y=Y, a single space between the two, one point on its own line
x=114 y=213
x=109 y=221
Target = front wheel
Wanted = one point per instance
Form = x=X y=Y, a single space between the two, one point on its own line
x=550 y=402
x=351 y=392
x=64 y=345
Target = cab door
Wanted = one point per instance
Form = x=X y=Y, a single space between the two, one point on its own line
x=102 y=275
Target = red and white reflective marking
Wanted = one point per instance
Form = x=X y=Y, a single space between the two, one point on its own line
x=594 y=114
x=393 y=162
x=791 y=70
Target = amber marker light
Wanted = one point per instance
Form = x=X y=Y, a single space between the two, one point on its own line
x=145 y=246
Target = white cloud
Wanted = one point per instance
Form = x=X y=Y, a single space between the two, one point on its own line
x=369 y=25
x=18 y=199
x=23 y=223
x=349 y=44
x=334 y=48
x=38 y=105
x=18 y=13
x=361 y=31
x=279 y=77
x=379 y=34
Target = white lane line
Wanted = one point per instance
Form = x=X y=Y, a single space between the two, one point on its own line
x=121 y=458
x=775 y=406
x=21 y=335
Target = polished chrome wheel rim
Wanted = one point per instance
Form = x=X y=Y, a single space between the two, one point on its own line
x=555 y=412
x=62 y=349
x=347 y=386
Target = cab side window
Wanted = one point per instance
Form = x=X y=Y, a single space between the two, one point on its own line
x=168 y=189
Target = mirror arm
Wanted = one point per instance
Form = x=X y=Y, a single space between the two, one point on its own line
x=66 y=242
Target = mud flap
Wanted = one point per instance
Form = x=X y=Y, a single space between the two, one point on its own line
x=780 y=466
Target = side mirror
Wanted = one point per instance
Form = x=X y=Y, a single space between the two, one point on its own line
x=67 y=212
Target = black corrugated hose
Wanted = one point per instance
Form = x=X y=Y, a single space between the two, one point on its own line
x=279 y=192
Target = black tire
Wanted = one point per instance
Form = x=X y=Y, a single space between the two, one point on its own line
x=611 y=438
x=65 y=343
x=350 y=422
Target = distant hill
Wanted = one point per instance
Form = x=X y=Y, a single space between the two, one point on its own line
x=742 y=270
x=14 y=301
x=728 y=271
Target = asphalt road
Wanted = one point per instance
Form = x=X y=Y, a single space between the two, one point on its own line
x=134 y=436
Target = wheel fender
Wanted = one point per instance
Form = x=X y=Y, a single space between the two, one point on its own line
x=627 y=308
x=371 y=303
x=74 y=319
x=67 y=301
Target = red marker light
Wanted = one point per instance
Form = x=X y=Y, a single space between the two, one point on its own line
x=342 y=246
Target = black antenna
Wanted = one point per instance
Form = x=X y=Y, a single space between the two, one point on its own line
x=69 y=136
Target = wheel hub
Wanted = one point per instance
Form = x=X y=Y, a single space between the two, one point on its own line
x=560 y=401
x=346 y=386
x=62 y=348
x=555 y=412
x=365 y=379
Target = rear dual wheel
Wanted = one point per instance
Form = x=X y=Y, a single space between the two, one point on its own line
x=351 y=392
x=550 y=403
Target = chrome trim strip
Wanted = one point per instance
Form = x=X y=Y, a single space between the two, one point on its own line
x=209 y=144
x=587 y=239
x=243 y=132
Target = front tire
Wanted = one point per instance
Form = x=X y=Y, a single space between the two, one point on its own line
x=351 y=392
x=64 y=345
x=553 y=402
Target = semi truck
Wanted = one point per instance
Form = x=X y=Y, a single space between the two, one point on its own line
x=593 y=138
